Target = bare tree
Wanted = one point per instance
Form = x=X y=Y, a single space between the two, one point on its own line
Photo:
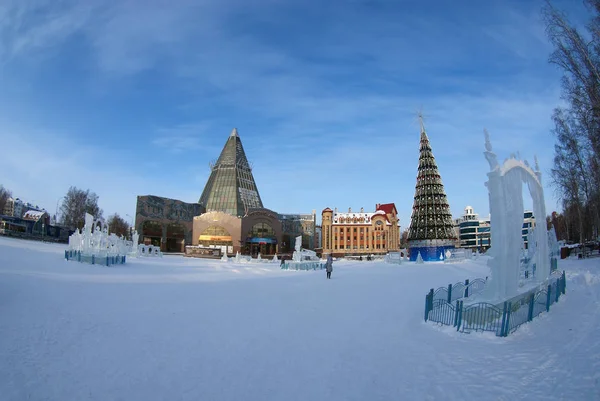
x=76 y=204
x=5 y=194
x=576 y=171
x=118 y=226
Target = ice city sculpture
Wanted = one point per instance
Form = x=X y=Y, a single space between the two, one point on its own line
x=302 y=259
x=94 y=244
x=505 y=187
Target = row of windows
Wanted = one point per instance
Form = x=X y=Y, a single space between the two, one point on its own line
x=362 y=237
x=378 y=246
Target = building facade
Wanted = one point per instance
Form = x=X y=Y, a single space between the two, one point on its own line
x=228 y=216
x=528 y=224
x=165 y=222
x=17 y=208
x=296 y=225
x=258 y=231
x=360 y=233
x=474 y=233
x=9 y=208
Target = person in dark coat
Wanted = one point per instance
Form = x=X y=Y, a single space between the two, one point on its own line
x=329 y=266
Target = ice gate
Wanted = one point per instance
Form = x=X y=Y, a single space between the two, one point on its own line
x=505 y=187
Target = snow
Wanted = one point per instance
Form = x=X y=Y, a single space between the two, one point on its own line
x=190 y=329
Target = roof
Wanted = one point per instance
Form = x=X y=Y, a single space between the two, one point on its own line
x=359 y=218
x=33 y=215
x=388 y=208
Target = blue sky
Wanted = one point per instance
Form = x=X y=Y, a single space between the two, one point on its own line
x=135 y=97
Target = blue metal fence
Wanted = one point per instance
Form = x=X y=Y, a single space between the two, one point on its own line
x=95 y=260
x=484 y=316
x=454 y=292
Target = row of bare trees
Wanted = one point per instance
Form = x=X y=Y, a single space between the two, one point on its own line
x=576 y=170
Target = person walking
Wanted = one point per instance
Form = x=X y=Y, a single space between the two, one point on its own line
x=329 y=266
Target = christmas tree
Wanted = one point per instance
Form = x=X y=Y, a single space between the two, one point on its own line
x=431 y=227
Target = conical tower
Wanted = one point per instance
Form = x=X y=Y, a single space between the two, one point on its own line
x=431 y=228
x=231 y=187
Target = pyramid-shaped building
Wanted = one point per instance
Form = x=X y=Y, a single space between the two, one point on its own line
x=231 y=188
x=431 y=229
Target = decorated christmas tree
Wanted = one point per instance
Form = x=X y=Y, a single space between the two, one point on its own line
x=431 y=228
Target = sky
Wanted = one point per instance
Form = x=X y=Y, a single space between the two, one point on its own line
x=133 y=97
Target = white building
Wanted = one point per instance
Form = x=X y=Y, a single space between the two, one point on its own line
x=473 y=232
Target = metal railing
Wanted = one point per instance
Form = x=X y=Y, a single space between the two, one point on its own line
x=483 y=316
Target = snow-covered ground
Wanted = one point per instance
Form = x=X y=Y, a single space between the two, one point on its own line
x=189 y=329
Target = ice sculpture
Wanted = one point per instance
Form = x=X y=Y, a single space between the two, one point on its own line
x=94 y=242
x=297 y=255
x=505 y=187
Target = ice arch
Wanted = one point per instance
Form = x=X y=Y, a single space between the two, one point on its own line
x=505 y=187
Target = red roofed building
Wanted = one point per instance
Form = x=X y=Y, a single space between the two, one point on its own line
x=360 y=233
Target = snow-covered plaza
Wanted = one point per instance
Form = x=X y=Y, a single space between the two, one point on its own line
x=176 y=328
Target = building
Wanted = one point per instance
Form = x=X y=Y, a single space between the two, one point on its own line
x=528 y=223
x=165 y=222
x=431 y=229
x=319 y=238
x=231 y=188
x=40 y=219
x=229 y=215
x=360 y=233
x=235 y=219
x=9 y=208
x=295 y=225
x=473 y=232
x=259 y=231
x=20 y=207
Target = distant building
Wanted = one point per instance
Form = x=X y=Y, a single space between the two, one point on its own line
x=319 y=237
x=20 y=207
x=165 y=222
x=229 y=214
x=360 y=233
x=474 y=233
x=295 y=225
x=528 y=223
x=9 y=208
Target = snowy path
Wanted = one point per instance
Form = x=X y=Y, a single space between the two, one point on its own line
x=181 y=329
